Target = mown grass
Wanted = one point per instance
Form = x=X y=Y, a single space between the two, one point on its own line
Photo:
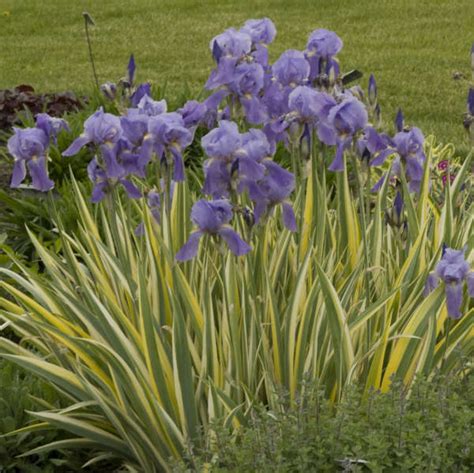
x=413 y=48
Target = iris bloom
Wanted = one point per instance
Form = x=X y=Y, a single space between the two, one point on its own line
x=51 y=125
x=321 y=48
x=247 y=84
x=291 y=68
x=227 y=49
x=107 y=175
x=273 y=190
x=343 y=121
x=100 y=128
x=212 y=218
x=262 y=32
x=453 y=270
x=167 y=134
x=232 y=156
x=29 y=148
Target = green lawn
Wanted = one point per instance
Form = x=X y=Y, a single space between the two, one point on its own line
x=412 y=46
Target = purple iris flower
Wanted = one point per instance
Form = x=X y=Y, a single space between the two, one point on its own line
x=453 y=270
x=262 y=32
x=167 y=134
x=227 y=48
x=105 y=180
x=324 y=43
x=343 y=122
x=274 y=189
x=291 y=68
x=29 y=148
x=309 y=104
x=100 y=128
x=51 y=125
x=379 y=146
x=321 y=48
x=134 y=126
x=212 y=218
x=193 y=113
x=233 y=157
x=223 y=141
x=150 y=107
x=109 y=89
x=232 y=43
x=409 y=146
x=247 y=84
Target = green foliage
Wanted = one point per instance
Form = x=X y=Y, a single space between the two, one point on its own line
x=21 y=392
x=426 y=429
x=150 y=352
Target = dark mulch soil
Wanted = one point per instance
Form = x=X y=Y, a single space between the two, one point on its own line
x=13 y=101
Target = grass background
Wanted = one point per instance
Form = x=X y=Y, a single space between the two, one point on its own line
x=412 y=46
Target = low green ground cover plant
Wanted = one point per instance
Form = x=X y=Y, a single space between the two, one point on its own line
x=429 y=428
x=310 y=242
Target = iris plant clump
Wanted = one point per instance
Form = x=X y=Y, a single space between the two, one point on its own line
x=311 y=231
x=255 y=108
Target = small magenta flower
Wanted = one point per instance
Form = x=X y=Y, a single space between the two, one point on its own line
x=453 y=270
x=444 y=179
x=212 y=218
x=443 y=165
x=100 y=128
x=29 y=148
